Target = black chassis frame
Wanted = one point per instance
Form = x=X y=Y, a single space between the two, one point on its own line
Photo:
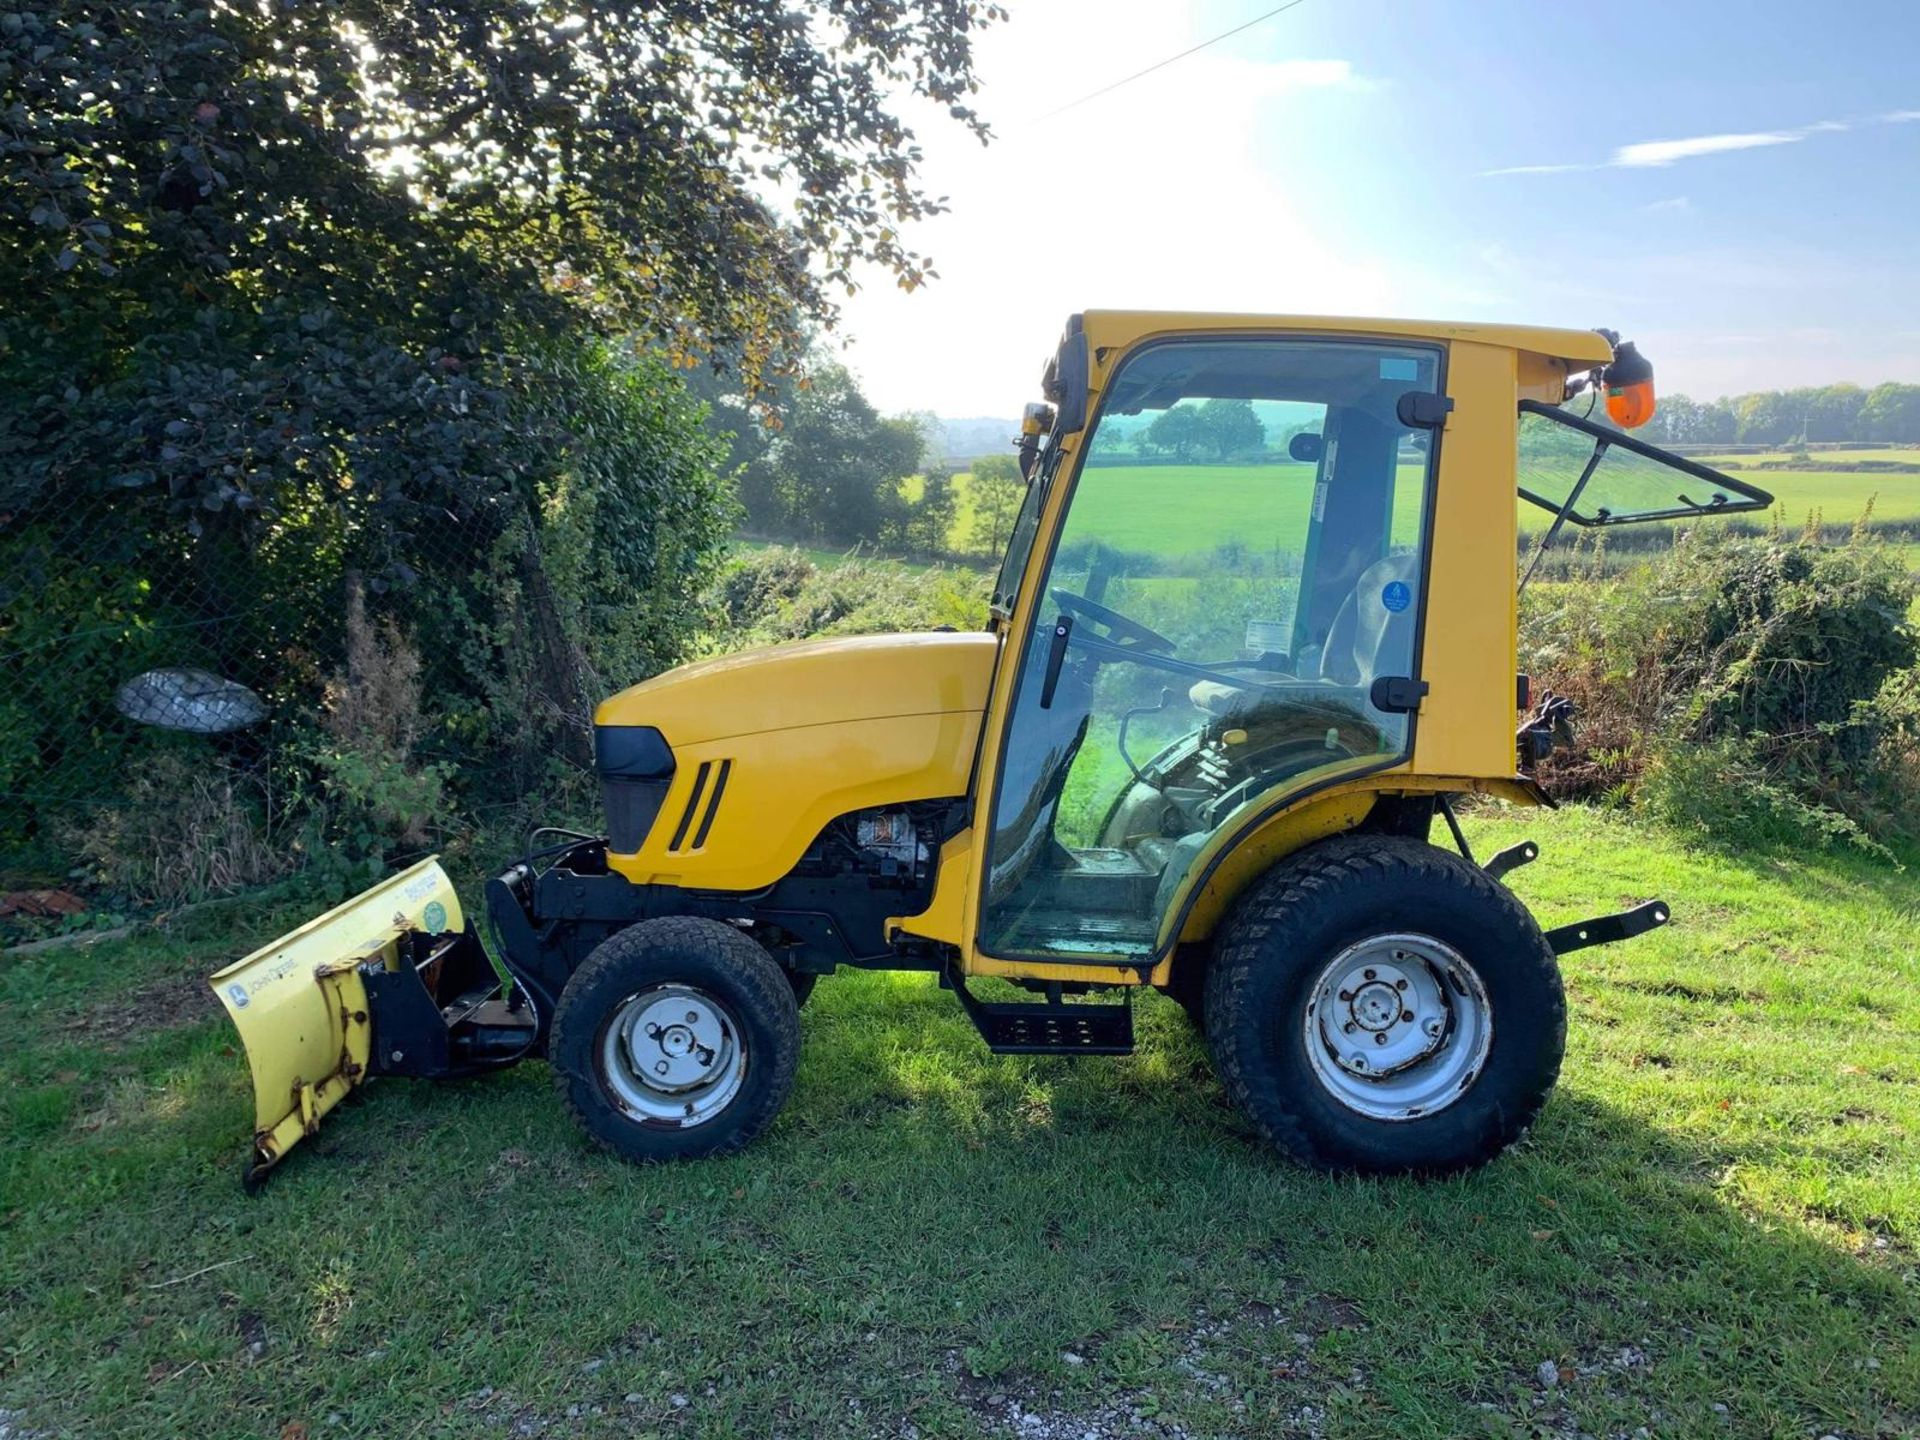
x=546 y=921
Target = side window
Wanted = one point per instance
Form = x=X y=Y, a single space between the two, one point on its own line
x=1239 y=561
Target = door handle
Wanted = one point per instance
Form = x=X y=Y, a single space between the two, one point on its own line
x=1056 y=657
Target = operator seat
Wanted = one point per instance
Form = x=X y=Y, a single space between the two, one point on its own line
x=1368 y=638
x=1367 y=634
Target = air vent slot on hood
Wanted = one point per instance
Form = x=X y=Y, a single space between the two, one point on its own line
x=709 y=785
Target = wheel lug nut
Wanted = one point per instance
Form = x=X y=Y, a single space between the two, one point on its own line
x=1349 y=1027
x=1380 y=1039
x=692 y=1018
x=1407 y=1015
x=653 y=1032
x=661 y=1068
x=1400 y=984
x=1367 y=974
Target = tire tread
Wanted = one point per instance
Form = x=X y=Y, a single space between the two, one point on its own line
x=769 y=993
x=1285 y=899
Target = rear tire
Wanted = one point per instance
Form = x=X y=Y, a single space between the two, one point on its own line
x=676 y=1039
x=1379 y=1005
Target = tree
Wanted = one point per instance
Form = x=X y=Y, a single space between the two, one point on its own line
x=1179 y=430
x=1231 y=428
x=1673 y=421
x=1833 y=412
x=1716 y=424
x=996 y=491
x=833 y=469
x=1769 y=417
x=930 y=525
x=1891 y=412
x=378 y=261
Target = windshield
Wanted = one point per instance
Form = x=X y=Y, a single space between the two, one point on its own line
x=1602 y=476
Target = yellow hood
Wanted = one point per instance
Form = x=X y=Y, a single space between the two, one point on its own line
x=811 y=682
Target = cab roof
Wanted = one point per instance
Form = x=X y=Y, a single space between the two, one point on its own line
x=1580 y=347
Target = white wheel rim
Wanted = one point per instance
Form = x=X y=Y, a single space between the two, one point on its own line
x=672 y=1056
x=1398 y=1026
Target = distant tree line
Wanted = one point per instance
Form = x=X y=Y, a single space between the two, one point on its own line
x=1824 y=414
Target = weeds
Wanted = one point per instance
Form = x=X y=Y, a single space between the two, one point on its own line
x=190 y=827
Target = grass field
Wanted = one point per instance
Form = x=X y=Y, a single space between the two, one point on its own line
x=1838 y=496
x=1171 y=510
x=1907 y=456
x=1186 y=510
x=1166 y=507
x=1712 y=1232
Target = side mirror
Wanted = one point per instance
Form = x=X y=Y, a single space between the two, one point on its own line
x=1307 y=446
x=1066 y=380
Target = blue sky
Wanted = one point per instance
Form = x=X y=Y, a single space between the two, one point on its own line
x=1343 y=158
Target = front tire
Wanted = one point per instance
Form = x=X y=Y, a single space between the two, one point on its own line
x=1382 y=1006
x=676 y=1039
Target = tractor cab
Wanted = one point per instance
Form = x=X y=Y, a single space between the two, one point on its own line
x=1228 y=605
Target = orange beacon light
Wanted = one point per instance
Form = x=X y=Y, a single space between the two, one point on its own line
x=1629 y=383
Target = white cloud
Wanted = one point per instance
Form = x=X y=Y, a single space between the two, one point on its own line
x=1658 y=154
x=1677 y=205
x=1537 y=169
x=1666 y=152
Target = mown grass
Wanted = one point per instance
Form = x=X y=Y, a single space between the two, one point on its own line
x=1720 y=1207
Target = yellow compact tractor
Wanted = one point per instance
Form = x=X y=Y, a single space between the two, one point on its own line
x=1253 y=636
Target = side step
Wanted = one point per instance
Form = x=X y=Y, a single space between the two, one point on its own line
x=1045 y=1027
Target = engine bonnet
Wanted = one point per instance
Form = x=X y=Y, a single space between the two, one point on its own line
x=810 y=682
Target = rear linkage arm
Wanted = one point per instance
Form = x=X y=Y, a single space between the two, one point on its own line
x=1601 y=930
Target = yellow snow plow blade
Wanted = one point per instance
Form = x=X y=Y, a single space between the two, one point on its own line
x=300 y=1004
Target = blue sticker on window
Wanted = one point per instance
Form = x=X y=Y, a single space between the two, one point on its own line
x=1399 y=367
x=1396 y=596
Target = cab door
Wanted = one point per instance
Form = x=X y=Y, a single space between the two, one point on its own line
x=1228 y=614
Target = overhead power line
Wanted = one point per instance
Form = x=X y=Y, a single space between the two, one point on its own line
x=1172 y=59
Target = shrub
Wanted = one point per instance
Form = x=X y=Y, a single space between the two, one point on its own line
x=765 y=579
x=374 y=797
x=1740 y=686
x=777 y=600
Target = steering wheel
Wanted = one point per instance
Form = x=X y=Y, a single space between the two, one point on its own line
x=1118 y=626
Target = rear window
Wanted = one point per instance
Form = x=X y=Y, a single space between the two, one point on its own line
x=1603 y=476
